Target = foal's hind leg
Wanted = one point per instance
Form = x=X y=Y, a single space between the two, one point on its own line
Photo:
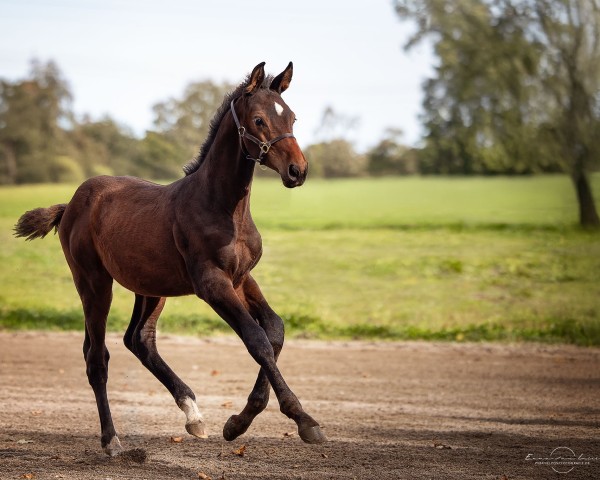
x=272 y=324
x=140 y=338
x=95 y=290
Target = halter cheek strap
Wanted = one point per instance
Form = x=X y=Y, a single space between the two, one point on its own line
x=264 y=147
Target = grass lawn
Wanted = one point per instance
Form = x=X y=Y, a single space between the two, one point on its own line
x=430 y=258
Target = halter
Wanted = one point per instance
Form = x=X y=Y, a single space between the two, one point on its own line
x=263 y=146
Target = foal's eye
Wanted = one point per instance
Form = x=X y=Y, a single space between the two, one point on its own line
x=259 y=122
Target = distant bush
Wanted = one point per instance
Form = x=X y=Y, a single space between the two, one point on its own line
x=334 y=159
x=97 y=170
x=63 y=169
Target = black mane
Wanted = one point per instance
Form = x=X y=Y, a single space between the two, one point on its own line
x=215 y=122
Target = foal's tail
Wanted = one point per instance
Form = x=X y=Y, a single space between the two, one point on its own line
x=38 y=223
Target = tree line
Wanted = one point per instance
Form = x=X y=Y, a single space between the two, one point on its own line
x=516 y=88
x=42 y=140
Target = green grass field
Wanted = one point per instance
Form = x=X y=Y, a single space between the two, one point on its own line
x=419 y=258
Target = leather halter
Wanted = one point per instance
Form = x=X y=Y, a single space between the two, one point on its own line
x=263 y=146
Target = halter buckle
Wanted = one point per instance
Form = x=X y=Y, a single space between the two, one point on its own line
x=264 y=147
x=242 y=131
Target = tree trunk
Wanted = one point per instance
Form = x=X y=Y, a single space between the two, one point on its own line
x=588 y=216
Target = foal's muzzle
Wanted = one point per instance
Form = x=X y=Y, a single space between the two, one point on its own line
x=294 y=172
x=294 y=176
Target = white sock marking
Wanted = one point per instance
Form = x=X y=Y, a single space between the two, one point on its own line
x=278 y=109
x=191 y=411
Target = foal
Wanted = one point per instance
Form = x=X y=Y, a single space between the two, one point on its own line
x=194 y=236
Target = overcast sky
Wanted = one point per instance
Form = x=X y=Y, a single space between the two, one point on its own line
x=122 y=56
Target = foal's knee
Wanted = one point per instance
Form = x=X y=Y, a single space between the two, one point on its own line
x=258 y=345
x=275 y=331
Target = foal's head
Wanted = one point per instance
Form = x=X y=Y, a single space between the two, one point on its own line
x=264 y=115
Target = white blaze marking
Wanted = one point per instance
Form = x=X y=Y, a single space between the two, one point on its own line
x=191 y=411
x=278 y=109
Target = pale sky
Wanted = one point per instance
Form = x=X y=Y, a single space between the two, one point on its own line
x=121 y=57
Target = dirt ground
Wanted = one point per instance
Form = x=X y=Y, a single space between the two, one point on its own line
x=413 y=410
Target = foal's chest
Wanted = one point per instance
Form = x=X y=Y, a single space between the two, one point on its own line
x=247 y=251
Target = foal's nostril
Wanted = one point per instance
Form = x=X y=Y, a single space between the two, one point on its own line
x=294 y=172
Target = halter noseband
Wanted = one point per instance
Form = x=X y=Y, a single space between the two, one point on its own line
x=263 y=146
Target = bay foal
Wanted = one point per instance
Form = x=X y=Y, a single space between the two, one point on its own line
x=194 y=236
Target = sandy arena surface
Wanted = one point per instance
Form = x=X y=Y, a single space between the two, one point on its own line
x=414 y=410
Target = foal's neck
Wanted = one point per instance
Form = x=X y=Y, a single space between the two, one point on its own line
x=226 y=174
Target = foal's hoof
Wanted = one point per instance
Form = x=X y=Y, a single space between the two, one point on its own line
x=233 y=428
x=312 y=434
x=113 y=448
x=196 y=429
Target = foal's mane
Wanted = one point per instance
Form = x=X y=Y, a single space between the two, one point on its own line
x=215 y=122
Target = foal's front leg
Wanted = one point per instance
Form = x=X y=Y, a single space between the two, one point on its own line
x=253 y=299
x=217 y=290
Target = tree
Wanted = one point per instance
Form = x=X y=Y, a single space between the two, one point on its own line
x=32 y=115
x=185 y=121
x=516 y=87
x=157 y=157
x=335 y=159
x=391 y=157
x=334 y=155
x=569 y=31
x=104 y=147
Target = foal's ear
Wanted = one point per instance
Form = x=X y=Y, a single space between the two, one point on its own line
x=282 y=81
x=256 y=78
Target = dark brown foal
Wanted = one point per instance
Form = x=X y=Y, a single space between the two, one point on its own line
x=194 y=236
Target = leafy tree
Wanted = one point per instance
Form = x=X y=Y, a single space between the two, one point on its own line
x=516 y=87
x=65 y=169
x=334 y=155
x=185 y=121
x=473 y=105
x=104 y=147
x=33 y=113
x=569 y=33
x=157 y=157
x=391 y=157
